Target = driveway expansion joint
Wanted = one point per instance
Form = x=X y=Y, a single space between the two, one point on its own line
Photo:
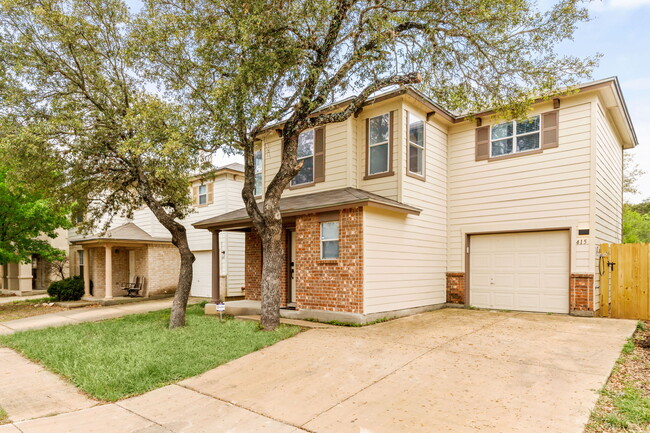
x=117 y=403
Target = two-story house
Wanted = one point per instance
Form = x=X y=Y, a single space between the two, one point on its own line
x=407 y=207
x=141 y=247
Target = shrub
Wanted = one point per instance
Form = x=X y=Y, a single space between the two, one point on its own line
x=68 y=289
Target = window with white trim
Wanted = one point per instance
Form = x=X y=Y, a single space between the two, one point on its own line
x=514 y=137
x=258 y=173
x=416 y=145
x=306 y=155
x=329 y=235
x=378 y=144
x=203 y=194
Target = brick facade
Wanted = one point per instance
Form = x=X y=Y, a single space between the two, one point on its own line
x=581 y=292
x=456 y=287
x=253 y=268
x=329 y=285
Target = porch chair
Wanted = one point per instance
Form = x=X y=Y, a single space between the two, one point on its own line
x=133 y=289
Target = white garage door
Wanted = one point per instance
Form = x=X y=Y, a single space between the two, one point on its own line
x=202 y=275
x=526 y=271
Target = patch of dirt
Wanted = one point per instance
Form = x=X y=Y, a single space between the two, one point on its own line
x=632 y=370
x=20 y=310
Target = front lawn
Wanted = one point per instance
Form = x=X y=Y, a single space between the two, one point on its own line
x=117 y=358
x=624 y=404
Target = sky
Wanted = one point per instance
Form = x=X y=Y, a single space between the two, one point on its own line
x=620 y=31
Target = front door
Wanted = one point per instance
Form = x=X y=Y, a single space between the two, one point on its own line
x=292 y=270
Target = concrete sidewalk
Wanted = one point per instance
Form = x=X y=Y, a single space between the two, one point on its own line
x=80 y=315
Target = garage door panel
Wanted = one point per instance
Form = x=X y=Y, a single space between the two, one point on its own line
x=520 y=271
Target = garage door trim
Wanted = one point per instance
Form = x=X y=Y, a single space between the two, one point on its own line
x=468 y=236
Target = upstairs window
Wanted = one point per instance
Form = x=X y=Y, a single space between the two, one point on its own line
x=258 y=173
x=379 y=144
x=329 y=234
x=416 y=145
x=514 y=137
x=306 y=155
x=203 y=194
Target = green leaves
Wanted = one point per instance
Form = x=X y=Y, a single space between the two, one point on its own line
x=27 y=220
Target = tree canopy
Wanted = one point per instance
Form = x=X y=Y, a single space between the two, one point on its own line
x=77 y=119
x=27 y=221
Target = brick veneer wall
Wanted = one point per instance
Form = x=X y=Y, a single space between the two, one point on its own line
x=456 y=287
x=163 y=268
x=331 y=285
x=253 y=268
x=581 y=292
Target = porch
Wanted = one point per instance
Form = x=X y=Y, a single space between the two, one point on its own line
x=113 y=261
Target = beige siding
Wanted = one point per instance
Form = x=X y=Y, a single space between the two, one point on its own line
x=405 y=256
x=609 y=181
x=539 y=191
x=387 y=186
x=336 y=160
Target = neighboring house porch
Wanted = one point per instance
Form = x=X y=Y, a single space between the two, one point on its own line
x=323 y=245
x=110 y=261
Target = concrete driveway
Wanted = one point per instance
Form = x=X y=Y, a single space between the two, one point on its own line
x=445 y=371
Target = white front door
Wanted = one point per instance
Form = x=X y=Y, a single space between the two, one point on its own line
x=526 y=271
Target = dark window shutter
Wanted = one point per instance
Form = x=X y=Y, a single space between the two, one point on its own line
x=550 y=130
x=319 y=155
x=482 y=143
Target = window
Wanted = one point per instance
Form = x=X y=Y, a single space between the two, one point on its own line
x=306 y=155
x=514 y=137
x=329 y=235
x=81 y=263
x=203 y=194
x=79 y=218
x=258 y=173
x=416 y=145
x=378 y=144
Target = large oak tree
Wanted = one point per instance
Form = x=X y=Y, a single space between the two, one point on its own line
x=244 y=65
x=78 y=122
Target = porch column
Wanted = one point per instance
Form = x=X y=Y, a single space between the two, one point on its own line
x=86 y=253
x=216 y=271
x=211 y=307
x=108 y=293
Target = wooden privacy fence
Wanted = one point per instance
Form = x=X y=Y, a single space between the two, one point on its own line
x=625 y=281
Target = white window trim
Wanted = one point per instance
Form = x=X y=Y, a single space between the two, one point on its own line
x=371 y=145
x=313 y=152
x=322 y=240
x=204 y=194
x=260 y=172
x=411 y=119
x=514 y=137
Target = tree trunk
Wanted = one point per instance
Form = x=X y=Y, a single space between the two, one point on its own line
x=268 y=223
x=271 y=270
x=179 y=306
x=179 y=239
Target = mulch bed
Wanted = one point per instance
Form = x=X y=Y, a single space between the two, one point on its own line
x=20 y=310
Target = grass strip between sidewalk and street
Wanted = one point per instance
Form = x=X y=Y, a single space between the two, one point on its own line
x=118 y=358
x=624 y=403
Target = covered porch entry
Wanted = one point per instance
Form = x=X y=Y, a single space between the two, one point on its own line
x=123 y=256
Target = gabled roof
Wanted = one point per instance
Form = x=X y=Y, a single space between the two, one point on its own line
x=126 y=232
x=308 y=203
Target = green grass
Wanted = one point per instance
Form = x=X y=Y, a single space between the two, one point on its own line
x=117 y=358
x=4 y=419
x=631 y=408
x=35 y=301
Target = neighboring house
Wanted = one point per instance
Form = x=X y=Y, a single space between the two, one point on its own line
x=407 y=207
x=142 y=247
x=34 y=277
